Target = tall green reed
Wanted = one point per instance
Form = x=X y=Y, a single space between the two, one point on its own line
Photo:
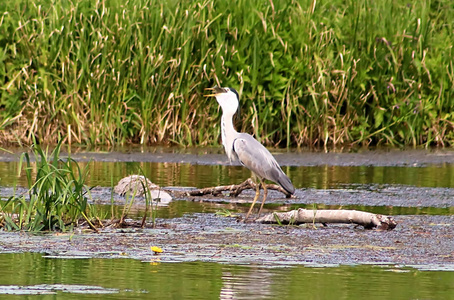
x=310 y=73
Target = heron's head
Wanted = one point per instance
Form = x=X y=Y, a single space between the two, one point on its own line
x=227 y=98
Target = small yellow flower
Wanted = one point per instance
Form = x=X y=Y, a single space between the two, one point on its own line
x=156 y=250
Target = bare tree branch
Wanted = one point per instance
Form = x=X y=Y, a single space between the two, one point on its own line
x=234 y=189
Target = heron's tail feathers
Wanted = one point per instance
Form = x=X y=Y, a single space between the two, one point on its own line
x=286 y=184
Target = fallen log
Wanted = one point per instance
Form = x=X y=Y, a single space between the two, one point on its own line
x=234 y=189
x=301 y=216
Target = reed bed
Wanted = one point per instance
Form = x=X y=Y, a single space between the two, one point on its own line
x=309 y=73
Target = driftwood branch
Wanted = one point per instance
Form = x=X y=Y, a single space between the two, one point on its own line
x=300 y=216
x=234 y=189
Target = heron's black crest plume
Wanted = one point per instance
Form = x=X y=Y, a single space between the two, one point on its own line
x=236 y=93
x=237 y=116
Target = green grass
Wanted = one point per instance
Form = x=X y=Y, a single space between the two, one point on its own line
x=116 y=72
x=57 y=195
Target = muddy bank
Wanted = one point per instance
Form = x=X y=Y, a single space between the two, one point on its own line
x=421 y=241
x=362 y=195
x=418 y=240
x=216 y=156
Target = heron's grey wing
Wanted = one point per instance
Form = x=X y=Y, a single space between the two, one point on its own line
x=259 y=160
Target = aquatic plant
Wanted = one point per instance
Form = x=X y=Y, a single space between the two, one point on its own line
x=309 y=73
x=225 y=213
x=57 y=194
x=156 y=250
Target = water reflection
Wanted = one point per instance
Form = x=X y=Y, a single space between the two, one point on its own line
x=320 y=177
x=327 y=177
x=133 y=279
x=178 y=209
x=246 y=283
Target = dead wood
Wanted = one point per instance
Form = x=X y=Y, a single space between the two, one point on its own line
x=234 y=189
x=301 y=216
x=138 y=185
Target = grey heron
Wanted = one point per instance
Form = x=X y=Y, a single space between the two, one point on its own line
x=246 y=149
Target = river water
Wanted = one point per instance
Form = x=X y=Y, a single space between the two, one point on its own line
x=30 y=274
x=394 y=182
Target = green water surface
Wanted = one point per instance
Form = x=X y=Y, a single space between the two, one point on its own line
x=132 y=279
x=319 y=177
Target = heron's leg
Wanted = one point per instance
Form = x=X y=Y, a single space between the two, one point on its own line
x=257 y=193
x=265 y=194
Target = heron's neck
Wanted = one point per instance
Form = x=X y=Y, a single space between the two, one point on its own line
x=228 y=134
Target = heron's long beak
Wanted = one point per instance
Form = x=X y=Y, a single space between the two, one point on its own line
x=217 y=90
